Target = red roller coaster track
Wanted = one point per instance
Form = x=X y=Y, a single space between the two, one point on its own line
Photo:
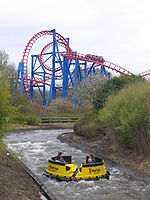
x=146 y=73
x=97 y=61
x=29 y=45
x=41 y=55
x=67 y=52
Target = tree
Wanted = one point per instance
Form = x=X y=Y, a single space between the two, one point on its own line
x=7 y=69
x=7 y=77
x=3 y=60
x=87 y=90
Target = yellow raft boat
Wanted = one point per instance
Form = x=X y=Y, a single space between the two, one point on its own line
x=67 y=171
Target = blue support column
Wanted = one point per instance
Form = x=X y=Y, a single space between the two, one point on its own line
x=20 y=69
x=67 y=40
x=65 y=78
x=109 y=75
x=85 y=70
x=103 y=71
x=80 y=75
x=22 y=76
x=44 y=89
x=53 y=67
x=58 y=55
x=90 y=69
x=75 y=81
x=49 y=93
x=93 y=70
x=32 y=76
x=37 y=71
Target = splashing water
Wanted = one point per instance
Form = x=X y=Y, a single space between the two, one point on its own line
x=34 y=148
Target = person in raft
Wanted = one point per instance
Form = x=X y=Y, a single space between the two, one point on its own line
x=59 y=157
x=91 y=159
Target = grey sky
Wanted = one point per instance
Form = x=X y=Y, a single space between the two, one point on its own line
x=119 y=30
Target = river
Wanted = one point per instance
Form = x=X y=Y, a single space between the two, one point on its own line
x=34 y=148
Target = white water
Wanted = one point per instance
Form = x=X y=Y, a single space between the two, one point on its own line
x=34 y=148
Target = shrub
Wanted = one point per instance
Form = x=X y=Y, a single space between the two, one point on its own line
x=22 y=104
x=32 y=120
x=112 y=86
x=128 y=114
x=5 y=108
x=25 y=119
x=19 y=118
x=89 y=126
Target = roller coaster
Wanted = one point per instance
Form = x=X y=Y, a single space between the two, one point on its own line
x=58 y=67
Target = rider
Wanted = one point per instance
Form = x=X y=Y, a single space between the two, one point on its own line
x=91 y=159
x=59 y=157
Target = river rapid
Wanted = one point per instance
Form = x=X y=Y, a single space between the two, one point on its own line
x=34 y=148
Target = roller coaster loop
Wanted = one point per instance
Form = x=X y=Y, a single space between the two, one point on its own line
x=57 y=67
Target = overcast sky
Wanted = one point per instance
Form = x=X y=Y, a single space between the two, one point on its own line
x=119 y=30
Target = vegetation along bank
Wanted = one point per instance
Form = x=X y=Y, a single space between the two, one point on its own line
x=119 y=125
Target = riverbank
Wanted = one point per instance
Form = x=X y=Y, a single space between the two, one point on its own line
x=15 y=183
x=19 y=128
x=100 y=145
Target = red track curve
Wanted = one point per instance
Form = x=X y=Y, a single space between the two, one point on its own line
x=41 y=55
x=116 y=68
x=146 y=73
x=97 y=61
x=28 y=48
x=29 y=45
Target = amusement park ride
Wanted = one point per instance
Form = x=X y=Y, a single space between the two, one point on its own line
x=57 y=67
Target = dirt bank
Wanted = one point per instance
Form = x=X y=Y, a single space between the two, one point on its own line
x=15 y=183
x=102 y=146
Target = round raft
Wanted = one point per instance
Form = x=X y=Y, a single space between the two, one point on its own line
x=67 y=171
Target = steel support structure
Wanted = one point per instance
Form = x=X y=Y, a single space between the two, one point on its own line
x=20 y=76
x=62 y=69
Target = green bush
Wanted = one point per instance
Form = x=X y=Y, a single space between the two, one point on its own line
x=128 y=114
x=89 y=126
x=32 y=120
x=112 y=86
x=5 y=108
x=20 y=118
x=22 y=104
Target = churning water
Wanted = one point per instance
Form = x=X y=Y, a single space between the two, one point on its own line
x=34 y=148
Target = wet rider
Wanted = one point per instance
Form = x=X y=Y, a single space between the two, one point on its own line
x=91 y=159
x=59 y=157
